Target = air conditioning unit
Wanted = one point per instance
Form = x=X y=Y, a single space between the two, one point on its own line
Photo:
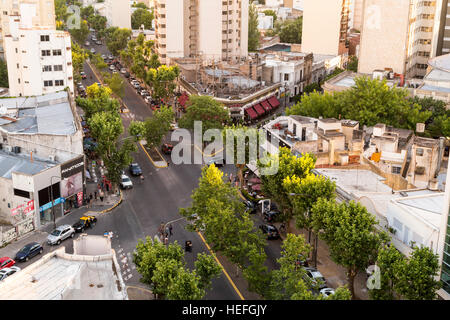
x=52 y=157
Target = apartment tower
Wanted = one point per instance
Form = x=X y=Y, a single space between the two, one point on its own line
x=212 y=30
x=397 y=35
x=325 y=26
x=444 y=242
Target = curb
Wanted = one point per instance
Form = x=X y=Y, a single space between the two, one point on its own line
x=208 y=155
x=157 y=166
x=109 y=209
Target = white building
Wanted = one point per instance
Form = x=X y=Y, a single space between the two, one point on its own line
x=118 y=13
x=212 y=30
x=265 y=22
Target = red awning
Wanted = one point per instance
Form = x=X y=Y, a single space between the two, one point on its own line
x=266 y=105
x=251 y=113
x=274 y=101
x=259 y=109
x=183 y=99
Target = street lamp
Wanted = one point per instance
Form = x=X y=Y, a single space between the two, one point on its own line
x=309 y=231
x=51 y=192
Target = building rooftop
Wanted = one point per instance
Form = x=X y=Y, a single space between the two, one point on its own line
x=349 y=123
x=278 y=47
x=47 y=114
x=61 y=276
x=425 y=142
x=21 y=163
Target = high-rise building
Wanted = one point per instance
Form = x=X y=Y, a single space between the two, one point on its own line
x=34 y=13
x=208 y=29
x=38 y=56
x=118 y=13
x=441 y=39
x=325 y=26
x=397 y=35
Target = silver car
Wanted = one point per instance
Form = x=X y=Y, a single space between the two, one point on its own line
x=61 y=233
x=6 y=272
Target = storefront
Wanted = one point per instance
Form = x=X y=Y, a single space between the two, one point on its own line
x=50 y=203
x=72 y=183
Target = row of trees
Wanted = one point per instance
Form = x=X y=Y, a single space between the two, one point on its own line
x=372 y=101
x=105 y=123
x=164 y=269
x=218 y=211
x=350 y=231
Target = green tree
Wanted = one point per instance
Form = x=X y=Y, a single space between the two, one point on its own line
x=61 y=13
x=141 y=17
x=206 y=269
x=162 y=81
x=80 y=34
x=185 y=286
x=317 y=105
x=3 y=74
x=271 y=13
x=98 y=62
x=312 y=87
x=288 y=165
x=117 y=39
x=211 y=113
x=87 y=12
x=140 y=5
x=98 y=23
x=253 y=32
x=291 y=31
x=116 y=83
x=353 y=64
x=349 y=230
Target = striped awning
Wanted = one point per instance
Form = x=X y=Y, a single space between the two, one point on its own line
x=274 y=102
x=251 y=113
x=259 y=109
x=266 y=105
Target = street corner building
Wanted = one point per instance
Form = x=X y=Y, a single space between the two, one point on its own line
x=91 y=273
x=42 y=165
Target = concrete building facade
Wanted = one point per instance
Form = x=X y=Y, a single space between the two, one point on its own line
x=118 y=13
x=212 y=30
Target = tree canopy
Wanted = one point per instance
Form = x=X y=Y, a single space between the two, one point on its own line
x=253 y=32
x=3 y=74
x=141 y=17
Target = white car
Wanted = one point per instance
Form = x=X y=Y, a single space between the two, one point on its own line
x=148 y=99
x=327 y=292
x=123 y=70
x=6 y=272
x=61 y=233
x=316 y=277
x=112 y=68
x=125 y=182
x=87 y=43
x=92 y=50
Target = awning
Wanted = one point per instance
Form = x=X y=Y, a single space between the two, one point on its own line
x=251 y=113
x=274 y=102
x=183 y=99
x=266 y=105
x=259 y=109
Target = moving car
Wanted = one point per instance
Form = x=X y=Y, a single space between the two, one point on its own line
x=28 y=251
x=316 y=278
x=59 y=234
x=135 y=169
x=327 y=292
x=125 y=182
x=5 y=273
x=271 y=231
x=83 y=75
x=6 y=262
x=167 y=148
x=84 y=223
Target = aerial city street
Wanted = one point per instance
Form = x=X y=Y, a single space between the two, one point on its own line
x=224 y=151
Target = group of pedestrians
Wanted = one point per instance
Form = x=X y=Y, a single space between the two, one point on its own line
x=165 y=232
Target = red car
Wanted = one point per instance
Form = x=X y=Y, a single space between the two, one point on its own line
x=6 y=262
x=167 y=148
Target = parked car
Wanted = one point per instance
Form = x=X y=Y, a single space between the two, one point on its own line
x=135 y=169
x=93 y=38
x=125 y=182
x=111 y=67
x=148 y=99
x=28 y=251
x=167 y=148
x=136 y=85
x=84 y=223
x=327 y=292
x=110 y=57
x=98 y=42
x=123 y=70
x=83 y=75
x=270 y=231
x=316 y=278
x=218 y=162
x=104 y=56
x=127 y=74
x=6 y=262
x=144 y=93
x=270 y=216
x=250 y=207
x=87 y=43
x=60 y=234
x=5 y=273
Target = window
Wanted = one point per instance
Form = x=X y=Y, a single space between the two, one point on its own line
x=396 y=170
x=45 y=38
x=45 y=53
x=286 y=77
x=419 y=152
x=57 y=52
x=57 y=67
x=47 y=69
x=48 y=83
x=59 y=82
x=17 y=66
x=21 y=193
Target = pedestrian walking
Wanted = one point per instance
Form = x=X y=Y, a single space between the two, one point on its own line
x=142 y=178
x=95 y=195
x=107 y=187
x=101 y=184
x=101 y=196
x=87 y=202
x=170 y=229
